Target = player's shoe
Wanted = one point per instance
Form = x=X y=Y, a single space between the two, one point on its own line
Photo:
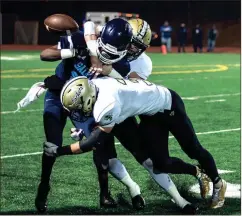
x=106 y=201
x=218 y=196
x=203 y=181
x=41 y=197
x=189 y=209
x=138 y=202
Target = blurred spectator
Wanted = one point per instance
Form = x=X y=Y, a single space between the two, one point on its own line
x=182 y=37
x=165 y=31
x=197 y=38
x=212 y=35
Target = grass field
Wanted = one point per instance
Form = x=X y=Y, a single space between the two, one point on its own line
x=210 y=86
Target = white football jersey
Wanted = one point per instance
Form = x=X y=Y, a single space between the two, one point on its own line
x=142 y=66
x=119 y=99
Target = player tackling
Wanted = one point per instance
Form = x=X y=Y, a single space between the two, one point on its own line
x=112 y=101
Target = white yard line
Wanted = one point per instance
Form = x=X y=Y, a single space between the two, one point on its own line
x=213 y=101
x=210 y=96
x=118 y=143
x=23 y=111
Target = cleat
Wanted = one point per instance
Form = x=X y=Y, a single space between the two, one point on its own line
x=41 y=198
x=203 y=181
x=189 y=209
x=138 y=202
x=107 y=201
x=218 y=196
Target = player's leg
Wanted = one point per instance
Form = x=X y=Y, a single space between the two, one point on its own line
x=182 y=128
x=101 y=161
x=54 y=121
x=99 y=158
x=156 y=142
x=129 y=136
x=118 y=170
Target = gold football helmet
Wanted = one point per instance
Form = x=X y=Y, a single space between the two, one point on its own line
x=141 y=38
x=79 y=94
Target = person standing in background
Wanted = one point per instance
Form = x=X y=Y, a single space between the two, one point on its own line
x=212 y=35
x=197 y=38
x=165 y=31
x=182 y=37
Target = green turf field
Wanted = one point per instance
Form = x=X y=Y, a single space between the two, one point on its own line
x=210 y=86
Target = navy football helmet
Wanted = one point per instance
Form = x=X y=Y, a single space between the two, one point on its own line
x=114 y=41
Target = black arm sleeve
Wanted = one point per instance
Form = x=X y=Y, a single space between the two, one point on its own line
x=97 y=137
x=54 y=83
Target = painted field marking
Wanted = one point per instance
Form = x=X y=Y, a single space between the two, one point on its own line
x=19 y=57
x=190 y=65
x=214 y=101
x=210 y=96
x=28 y=70
x=233 y=190
x=118 y=143
x=218 y=68
x=24 y=76
x=23 y=111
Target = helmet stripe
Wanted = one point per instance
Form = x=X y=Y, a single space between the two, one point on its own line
x=143 y=29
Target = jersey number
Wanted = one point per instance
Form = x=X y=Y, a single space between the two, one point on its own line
x=134 y=80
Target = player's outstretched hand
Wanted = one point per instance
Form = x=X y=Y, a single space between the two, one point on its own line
x=96 y=65
x=50 y=149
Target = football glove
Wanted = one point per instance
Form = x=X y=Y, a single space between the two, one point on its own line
x=50 y=149
x=77 y=134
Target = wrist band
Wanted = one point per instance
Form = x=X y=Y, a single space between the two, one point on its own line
x=67 y=53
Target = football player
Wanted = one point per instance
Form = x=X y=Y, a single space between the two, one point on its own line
x=141 y=68
x=54 y=114
x=162 y=110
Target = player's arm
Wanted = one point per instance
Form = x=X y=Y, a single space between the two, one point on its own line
x=106 y=119
x=98 y=137
x=50 y=54
x=54 y=54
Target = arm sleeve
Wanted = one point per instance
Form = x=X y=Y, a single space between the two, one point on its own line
x=97 y=137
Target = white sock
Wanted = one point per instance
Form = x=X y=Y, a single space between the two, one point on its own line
x=118 y=171
x=164 y=181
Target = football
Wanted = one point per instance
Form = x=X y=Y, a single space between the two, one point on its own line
x=60 y=23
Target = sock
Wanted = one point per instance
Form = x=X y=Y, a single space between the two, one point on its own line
x=164 y=181
x=102 y=172
x=218 y=182
x=118 y=171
